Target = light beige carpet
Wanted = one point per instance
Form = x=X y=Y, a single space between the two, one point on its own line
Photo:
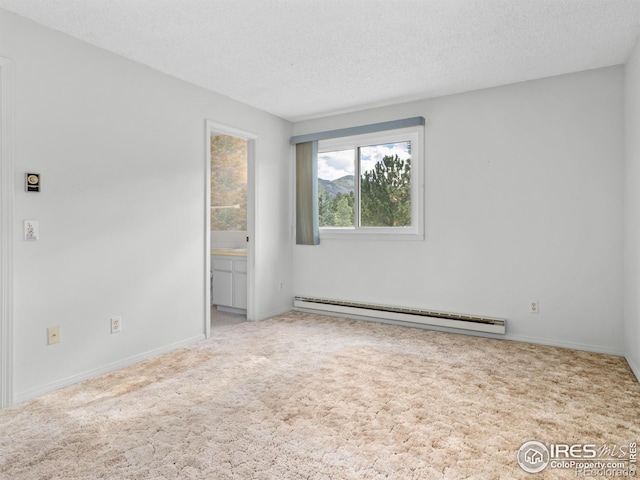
x=303 y=396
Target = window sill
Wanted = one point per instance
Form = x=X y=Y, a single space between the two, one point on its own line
x=366 y=234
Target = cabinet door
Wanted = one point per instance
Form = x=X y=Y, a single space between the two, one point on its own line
x=222 y=283
x=240 y=290
x=240 y=284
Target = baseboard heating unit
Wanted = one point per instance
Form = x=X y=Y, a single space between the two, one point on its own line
x=413 y=315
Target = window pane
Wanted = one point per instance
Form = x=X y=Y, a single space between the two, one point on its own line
x=336 y=188
x=228 y=183
x=385 y=185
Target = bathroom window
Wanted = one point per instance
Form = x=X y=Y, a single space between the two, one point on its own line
x=228 y=183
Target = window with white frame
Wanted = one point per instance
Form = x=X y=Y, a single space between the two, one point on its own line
x=371 y=185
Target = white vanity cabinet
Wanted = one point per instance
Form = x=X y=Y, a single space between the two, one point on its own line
x=240 y=284
x=229 y=281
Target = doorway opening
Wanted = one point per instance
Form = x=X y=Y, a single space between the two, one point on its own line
x=230 y=224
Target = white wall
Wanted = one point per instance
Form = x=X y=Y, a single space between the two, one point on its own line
x=121 y=150
x=632 y=211
x=523 y=202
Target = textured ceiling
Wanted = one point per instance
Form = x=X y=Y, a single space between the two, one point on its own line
x=301 y=59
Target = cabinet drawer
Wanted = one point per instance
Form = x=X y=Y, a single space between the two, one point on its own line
x=222 y=264
x=240 y=266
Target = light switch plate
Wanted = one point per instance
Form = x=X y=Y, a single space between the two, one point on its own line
x=31 y=230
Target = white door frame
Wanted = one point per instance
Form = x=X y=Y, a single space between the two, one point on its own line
x=213 y=128
x=6 y=232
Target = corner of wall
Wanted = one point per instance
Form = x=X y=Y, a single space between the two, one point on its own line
x=634 y=367
x=631 y=298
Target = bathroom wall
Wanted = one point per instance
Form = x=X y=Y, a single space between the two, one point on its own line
x=228 y=239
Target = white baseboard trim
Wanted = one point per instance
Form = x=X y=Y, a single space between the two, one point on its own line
x=515 y=338
x=65 y=382
x=570 y=345
x=242 y=311
x=273 y=313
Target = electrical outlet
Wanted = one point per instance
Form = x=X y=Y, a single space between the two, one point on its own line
x=116 y=324
x=533 y=306
x=281 y=285
x=53 y=335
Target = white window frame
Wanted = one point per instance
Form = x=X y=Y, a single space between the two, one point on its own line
x=413 y=232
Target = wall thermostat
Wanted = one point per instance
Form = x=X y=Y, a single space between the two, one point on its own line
x=32 y=182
